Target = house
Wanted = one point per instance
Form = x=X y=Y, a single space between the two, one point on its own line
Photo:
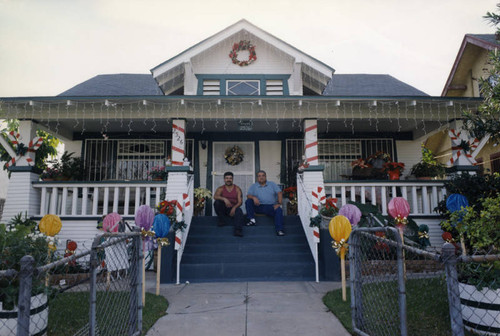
x=240 y=91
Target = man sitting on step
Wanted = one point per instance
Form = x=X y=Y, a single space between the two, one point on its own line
x=265 y=197
x=228 y=199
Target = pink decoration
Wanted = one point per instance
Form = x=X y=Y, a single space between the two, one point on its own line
x=111 y=221
x=398 y=207
x=352 y=213
x=144 y=217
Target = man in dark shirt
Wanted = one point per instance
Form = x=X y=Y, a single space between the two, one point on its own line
x=227 y=204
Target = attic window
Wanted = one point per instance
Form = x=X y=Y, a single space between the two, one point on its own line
x=243 y=87
x=274 y=87
x=211 y=87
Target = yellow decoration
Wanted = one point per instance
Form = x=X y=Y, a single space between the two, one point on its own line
x=340 y=230
x=50 y=225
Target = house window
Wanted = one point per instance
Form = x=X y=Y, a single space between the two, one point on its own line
x=211 y=87
x=274 y=87
x=495 y=162
x=243 y=87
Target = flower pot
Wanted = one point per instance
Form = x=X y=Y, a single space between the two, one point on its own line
x=325 y=221
x=39 y=317
x=158 y=179
x=393 y=174
x=424 y=178
x=480 y=309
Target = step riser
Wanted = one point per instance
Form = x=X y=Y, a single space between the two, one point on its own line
x=244 y=258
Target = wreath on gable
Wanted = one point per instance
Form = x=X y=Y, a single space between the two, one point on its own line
x=243 y=45
x=234 y=155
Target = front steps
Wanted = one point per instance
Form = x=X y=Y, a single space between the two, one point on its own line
x=213 y=254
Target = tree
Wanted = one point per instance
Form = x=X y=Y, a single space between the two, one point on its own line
x=487 y=118
x=46 y=150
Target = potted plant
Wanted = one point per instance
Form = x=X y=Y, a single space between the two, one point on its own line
x=50 y=174
x=17 y=239
x=478 y=282
x=291 y=194
x=328 y=211
x=393 y=169
x=201 y=195
x=65 y=169
x=158 y=173
x=428 y=167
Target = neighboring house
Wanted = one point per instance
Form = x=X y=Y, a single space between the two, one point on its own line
x=268 y=100
x=471 y=64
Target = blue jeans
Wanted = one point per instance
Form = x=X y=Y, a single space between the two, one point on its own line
x=266 y=209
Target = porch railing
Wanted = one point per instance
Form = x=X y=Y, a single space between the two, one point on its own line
x=423 y=196
x=84 y=199
x=188 y=216
x=304 y=209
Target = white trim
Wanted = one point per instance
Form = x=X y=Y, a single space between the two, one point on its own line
x=483 y=142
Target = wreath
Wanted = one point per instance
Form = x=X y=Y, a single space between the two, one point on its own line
x=234 y=155
x=243 y=45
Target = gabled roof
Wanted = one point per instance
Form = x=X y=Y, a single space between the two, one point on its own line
x=173 y=69
x=116 y=85
x=484 y=41
x=369 y=85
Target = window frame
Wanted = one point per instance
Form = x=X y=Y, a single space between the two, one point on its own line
x=223 y=78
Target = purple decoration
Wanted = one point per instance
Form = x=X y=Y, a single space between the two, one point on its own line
x=455 y=202
x=352 y=213
x=144 y=217
x=147 y=244
x=161 y=225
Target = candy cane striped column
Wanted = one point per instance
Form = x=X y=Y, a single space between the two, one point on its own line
x=459 y=156
x=311 y=141
x=178 y=239
x=178 y=141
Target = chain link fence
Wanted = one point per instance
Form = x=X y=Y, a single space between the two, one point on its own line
x=399 y=289
x=85 y=290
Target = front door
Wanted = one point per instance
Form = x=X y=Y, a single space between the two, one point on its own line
x=244 y=171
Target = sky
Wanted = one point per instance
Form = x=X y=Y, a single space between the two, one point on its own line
x=49 y=46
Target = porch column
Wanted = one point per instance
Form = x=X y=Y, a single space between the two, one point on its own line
x=21 y=196
x=311 y=141
x=178 y=142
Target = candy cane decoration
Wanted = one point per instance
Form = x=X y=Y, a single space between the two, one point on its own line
x=311 y=141
x=33 y=146
x=318 y=197
x=458 y=151
x=187 y=202
x=178 y=239
x=178 y=142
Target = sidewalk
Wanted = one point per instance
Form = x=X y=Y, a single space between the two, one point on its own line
x=247 y=309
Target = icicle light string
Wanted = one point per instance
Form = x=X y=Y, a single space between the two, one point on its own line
x=376 y=117
x=267 y=115
x=83 y=119
x=352 y=118
x=406 y=111
x=203 y=118
x=75 y=114
x=57 y=124
x=327 y=115
x=130 y=120
x=439 y=115
x=423 y=119
x=415 y=115
x=194 y=116
x=345 y=117
x=154 y=118
x=398 y=111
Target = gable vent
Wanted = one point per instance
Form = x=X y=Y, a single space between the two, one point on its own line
x=274 y=87
x=211 y=87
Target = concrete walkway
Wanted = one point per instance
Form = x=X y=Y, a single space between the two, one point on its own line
x=247 y=308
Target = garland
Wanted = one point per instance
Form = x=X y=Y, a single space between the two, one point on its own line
x=234 y=155
x=243 y=45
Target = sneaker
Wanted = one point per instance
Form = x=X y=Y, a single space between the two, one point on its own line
x=280 y=233
x=251 y=222
x=238 y=232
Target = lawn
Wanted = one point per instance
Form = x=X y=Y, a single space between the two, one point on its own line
x=427 y=307
x=69 y=312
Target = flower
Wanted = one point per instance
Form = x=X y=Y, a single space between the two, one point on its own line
x=391 y=166
x=330 y=208
x=360 y=163
x=158 y=172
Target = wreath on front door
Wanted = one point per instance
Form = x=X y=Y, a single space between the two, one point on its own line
x=234 y=155
x=243 y=45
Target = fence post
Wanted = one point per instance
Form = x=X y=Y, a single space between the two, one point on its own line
x=401 y=283
x=94 y=263
x=24 y=300
x=356 y=282
x=135 y=308
x=449 y=259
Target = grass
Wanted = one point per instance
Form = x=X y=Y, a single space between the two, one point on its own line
x=427 y=307
x=69 y=312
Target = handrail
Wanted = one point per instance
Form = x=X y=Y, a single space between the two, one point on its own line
x=304 y=209
x=188 y=216
x=422 y=195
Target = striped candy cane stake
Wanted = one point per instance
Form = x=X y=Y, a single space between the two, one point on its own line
x=318 y=197
x=178 y=142
x=316 y=234
x=179 y=209
x=14 y=137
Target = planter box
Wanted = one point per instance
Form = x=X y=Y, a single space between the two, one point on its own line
x=39 y=317
x=329 y=262
x=480 y=309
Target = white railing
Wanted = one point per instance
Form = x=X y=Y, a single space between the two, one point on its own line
x=84 y=199
x=188 y=216
x=304 y=209
x=423 y=196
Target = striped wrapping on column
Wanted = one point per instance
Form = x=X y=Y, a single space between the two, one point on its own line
x=33 y=146
x=311 y=141
x=186 y=201
x=178 y=142
x=318 y=197
x=14 y=137
x=179 y=209
x=458 y=150
x=178 y=239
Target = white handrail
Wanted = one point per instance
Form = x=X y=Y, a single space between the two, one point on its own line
x=304 y=209
x=188 y=216
x=423 y=196
x=83 y=199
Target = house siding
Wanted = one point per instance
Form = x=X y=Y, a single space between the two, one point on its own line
x=408 y=152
